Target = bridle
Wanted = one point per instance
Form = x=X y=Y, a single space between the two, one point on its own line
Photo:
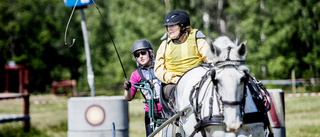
x=259 y=94
x=196 y=100
x=244 y=79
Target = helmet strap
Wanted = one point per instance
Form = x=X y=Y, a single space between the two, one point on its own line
x=183 y=31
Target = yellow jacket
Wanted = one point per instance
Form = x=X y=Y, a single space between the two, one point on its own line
x=174 y=60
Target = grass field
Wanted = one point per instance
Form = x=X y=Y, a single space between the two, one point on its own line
x=49 y=117
x=302 y=116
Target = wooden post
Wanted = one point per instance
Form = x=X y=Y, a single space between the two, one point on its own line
x=7 y=82
x=25 y=81
x=20 y=71
x=23 y=75
x=26 y=112
x=293 y=77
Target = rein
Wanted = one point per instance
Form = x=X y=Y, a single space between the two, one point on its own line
x=194 y=95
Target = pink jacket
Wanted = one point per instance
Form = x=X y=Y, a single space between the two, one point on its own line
x=135 y=78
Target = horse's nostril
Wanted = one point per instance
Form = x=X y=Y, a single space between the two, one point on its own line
x=232 y=130
x=234 y=127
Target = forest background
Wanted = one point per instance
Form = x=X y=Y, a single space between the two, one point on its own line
x=283 y=36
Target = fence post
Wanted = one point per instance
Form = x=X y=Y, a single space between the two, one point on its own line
x=293 y=77
x=26 y=112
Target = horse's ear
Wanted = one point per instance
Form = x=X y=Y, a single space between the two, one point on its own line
x=212 y=47
x=242 y=50
x=216 y=51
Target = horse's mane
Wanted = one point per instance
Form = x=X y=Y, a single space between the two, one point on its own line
x=219 y=50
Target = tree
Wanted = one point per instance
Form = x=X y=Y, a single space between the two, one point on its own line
x=282 y=36
x=127 y=21
x=31 y=34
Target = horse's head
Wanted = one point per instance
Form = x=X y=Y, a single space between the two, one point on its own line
x=219 y=50
x=230 y=79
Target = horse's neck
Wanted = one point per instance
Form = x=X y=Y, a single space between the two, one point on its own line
x=186 y=84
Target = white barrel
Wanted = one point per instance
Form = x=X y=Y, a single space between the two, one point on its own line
x=94 y=116
x=277 y=113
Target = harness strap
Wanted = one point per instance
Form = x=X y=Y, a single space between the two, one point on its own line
x=151 y=84
x=156 y=101
x=141 y=75
x=206 y=121
x=243 y=101
x=253 y=117
x=171 y=102
x=255 y=91
x=213 y=75
x=198 y=127
x=199 y=106
x=195 y=95
x=268 y=107
x=215 y=120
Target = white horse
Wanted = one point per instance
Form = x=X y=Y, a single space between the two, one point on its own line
x=219 y=96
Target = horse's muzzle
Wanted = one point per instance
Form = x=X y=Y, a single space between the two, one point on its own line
x=234 y=127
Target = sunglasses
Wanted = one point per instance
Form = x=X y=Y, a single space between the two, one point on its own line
x=142 y=52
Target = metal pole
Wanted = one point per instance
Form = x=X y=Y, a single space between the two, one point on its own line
x=175 y=116
x=90 y=74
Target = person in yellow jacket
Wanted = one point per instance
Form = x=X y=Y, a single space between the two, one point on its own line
x=182 y=48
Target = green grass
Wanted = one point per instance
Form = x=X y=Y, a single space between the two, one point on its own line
x=50 y=119
x=136 y=118
x=302 y=117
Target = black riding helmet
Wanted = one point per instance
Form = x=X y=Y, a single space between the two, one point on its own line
x=177 y=17
x=141 y=44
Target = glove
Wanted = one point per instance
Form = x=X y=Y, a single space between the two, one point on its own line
x=126 y=85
